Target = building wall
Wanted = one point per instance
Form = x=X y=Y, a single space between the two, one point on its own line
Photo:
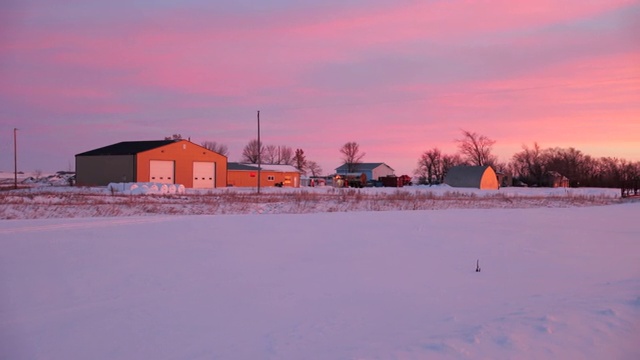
x=489 y=180
x=184 y=153
x=249 y=178
x=381 y=171
x=101 y=170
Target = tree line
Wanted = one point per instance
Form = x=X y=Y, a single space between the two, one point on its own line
x=529 y=167
x=532 y=165
x=279 y=155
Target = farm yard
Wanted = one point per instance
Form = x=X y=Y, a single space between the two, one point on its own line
x=321 y=273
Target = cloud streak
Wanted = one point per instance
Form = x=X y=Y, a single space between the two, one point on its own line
x=397 y=77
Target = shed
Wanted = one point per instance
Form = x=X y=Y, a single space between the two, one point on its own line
x=373 y=171
x=479 y=177
x=555 y=179
x=246 y=175
x=162 y=161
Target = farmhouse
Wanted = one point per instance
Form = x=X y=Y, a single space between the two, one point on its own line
x=162 y=161
x=480 y=177
x=373 y=171
x=246 y=175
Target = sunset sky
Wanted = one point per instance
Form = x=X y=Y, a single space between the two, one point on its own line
x=398 y=77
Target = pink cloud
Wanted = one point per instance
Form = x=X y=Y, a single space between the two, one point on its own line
x=443 y=20
x=398 y=78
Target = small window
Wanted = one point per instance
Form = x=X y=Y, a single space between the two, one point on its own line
x=271 y=178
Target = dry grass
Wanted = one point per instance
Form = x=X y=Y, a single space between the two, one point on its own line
x=42 y=203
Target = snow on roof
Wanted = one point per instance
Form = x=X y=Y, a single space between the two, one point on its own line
x=268 y=167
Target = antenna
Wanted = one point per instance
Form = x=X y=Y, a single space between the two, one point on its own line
x=259 y=151
x=15 y=158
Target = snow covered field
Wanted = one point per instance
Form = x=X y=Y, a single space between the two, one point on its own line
x=67 y=202
x=559 y=282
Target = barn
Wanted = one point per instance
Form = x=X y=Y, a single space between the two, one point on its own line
x=161 y=161
x=246 y=175
x=479 y=177
x=373 y=171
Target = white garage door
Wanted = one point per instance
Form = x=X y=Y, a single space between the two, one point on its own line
x=162 y=172
x=204 y=175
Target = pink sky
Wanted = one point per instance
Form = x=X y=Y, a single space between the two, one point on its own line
x=398 y=77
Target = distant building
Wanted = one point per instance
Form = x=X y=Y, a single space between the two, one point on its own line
x=161 y=161
x=393 y=181
x=372 y=171
x=555 y=179
x=246 y=175
x=504 y=179
x=479 y=177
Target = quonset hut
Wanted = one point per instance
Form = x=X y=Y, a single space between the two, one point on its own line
x=479 y=177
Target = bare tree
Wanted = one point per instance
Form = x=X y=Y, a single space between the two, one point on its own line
x=300 y=161
x=252 y=151
x=430 y=166
x=287 y=156
x=352 y=156
x=279 y=155
x=270 y=154
x=476 y=149
x=449 y=161
x=216 y=147
x=529 y=165
x=314 y=168
x=571 y=163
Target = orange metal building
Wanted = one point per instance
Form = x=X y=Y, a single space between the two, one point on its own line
x=163 y=161
x=246 y=175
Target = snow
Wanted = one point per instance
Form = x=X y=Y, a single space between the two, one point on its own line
x=66 y=202
x=556 y=283
x=35 y=179
x=148 y=188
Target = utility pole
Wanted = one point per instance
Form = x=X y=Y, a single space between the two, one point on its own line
x=15 y=159
x=259 y=151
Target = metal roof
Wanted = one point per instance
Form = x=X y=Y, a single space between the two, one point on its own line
x=239 y=166
x=127 y=148
x=264 y=167
x=362 y=166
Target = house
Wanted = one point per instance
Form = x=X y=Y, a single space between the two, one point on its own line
x=373 y=171
x=480 y=177
x=161 y=161
x=246 y=175
x=555 y=179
